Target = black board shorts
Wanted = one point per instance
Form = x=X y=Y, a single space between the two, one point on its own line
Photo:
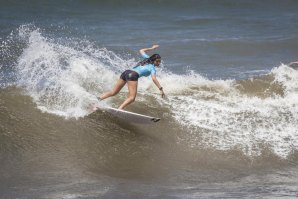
x=130 y=75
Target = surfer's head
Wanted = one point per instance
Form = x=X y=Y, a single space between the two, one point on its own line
x=155 y=59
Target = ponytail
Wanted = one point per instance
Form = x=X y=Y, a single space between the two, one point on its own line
x=149 y=60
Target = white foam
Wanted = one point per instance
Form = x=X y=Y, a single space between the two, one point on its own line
x=61 y=79
x=225 y=119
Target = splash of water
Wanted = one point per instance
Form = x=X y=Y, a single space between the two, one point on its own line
x=62 y=79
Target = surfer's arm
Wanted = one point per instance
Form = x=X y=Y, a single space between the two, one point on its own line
x=144 y=50
x=156 y=82
x=295 y=62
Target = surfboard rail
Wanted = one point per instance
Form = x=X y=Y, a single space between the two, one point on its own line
x=131 y=116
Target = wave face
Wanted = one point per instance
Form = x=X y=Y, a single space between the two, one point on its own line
x=253 y=115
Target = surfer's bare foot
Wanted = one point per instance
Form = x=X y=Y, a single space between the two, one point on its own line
x=92 y=108
x=95 y=108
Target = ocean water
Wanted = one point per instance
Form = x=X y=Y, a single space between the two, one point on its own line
x=229 y=121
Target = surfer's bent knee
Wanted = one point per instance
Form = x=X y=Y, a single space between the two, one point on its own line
x=132 y=99
x=113 y=93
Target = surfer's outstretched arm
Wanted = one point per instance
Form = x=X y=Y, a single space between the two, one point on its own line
x=156 y=82
x=295 y=62
x=144 y=50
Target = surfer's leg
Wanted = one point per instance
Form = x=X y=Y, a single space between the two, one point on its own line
x=132 y=93
x=119 y=85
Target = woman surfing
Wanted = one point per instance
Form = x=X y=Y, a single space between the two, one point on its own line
x=143 y=68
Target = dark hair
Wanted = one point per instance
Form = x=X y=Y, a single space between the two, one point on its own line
x=149 y=60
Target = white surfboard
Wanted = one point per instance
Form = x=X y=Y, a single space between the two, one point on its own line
x=130 y=116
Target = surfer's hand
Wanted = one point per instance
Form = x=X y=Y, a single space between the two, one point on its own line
x=154 y=47
x=162 y=94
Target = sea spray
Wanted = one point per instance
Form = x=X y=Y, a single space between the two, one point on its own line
x=62 y=79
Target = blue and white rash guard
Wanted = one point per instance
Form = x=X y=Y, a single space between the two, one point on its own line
x=145 y=70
